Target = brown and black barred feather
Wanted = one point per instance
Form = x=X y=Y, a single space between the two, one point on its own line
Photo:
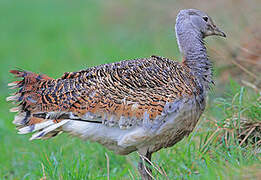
x=104 y=93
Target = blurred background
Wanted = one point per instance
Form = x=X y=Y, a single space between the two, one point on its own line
x=53 y=37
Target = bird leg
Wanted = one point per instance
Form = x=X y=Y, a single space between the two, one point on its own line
x=144 y=170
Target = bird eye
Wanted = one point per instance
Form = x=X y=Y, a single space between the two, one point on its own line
x=205 y=18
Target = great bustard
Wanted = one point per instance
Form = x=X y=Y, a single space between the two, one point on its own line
x=139 y=105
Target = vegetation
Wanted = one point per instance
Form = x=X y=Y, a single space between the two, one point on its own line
x=53 y=37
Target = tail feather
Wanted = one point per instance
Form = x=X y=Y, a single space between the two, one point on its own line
x=45 y=132
x=18 y=120
x=27 y=98
x=35 y=127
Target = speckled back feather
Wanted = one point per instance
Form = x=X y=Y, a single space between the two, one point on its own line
x=116 y=94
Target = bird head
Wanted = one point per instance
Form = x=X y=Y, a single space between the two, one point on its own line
x=201 y=22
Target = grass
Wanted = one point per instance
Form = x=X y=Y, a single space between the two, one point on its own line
x=53 y=37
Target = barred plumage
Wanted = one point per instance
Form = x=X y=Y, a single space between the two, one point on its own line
x=116 y=95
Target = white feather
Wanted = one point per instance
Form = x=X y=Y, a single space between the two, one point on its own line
x=12 y=98
x=19 y=118
x=42 y=133
x=35 y=127
x=15 y=109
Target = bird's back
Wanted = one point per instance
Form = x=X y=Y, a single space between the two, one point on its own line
x=122 y=105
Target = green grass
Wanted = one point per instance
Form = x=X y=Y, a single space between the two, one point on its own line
x=53 y=37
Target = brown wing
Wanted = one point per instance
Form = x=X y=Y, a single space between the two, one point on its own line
x=126 y=88
x=105 y=93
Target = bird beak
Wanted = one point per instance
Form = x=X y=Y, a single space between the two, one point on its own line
x=218 y=32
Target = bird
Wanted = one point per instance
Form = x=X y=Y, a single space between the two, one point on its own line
x=142 y=104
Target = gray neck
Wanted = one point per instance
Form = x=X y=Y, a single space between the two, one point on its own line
x=194 y=52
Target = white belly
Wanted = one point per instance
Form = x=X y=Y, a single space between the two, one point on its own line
x=177 y=119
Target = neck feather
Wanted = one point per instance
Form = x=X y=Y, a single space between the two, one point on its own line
x=194 y=53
